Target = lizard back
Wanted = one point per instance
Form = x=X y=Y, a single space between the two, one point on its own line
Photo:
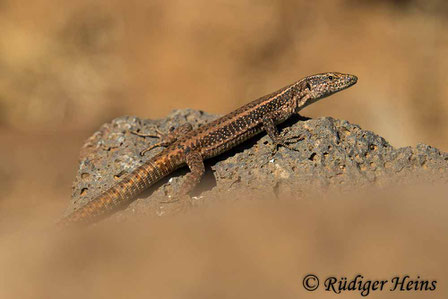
x=238 y=126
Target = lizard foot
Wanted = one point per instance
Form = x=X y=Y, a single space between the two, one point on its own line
x=165 y=139
x=285 y=143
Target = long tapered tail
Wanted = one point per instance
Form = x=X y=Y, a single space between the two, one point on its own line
x=121 y=194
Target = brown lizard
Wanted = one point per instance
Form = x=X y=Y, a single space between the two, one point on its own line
x=185 y=146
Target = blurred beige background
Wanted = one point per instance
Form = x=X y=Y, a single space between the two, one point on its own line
x=66 y=67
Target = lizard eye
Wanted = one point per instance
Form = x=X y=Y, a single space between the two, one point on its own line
x=330 y=77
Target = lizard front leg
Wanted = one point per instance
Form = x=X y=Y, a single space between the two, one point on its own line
x=165 y=139
x=271 y=130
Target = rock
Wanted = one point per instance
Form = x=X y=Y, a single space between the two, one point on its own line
x=329 y=155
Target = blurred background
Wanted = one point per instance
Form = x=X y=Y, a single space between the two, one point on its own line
x=66 y=67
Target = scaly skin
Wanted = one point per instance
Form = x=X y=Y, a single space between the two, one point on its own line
x=191 y=147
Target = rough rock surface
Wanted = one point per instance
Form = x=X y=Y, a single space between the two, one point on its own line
x=330 y=155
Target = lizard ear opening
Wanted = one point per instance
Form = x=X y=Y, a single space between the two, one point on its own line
x=308 y=86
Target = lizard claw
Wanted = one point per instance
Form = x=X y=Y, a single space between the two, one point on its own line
x=284 y=144
x=157 y=135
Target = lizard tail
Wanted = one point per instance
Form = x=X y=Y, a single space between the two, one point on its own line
x=121 y=194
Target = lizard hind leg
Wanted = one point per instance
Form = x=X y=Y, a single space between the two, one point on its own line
x=165 y=139
x=197 y=169
x=196 y=164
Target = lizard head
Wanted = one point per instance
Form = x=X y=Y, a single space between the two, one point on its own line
x=322 y=85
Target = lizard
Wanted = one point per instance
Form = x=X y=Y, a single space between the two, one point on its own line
x=190 y=147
